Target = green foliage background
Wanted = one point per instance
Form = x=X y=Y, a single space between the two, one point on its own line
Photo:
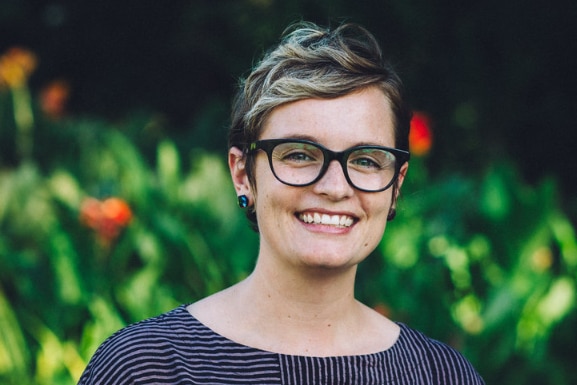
x=482 y=255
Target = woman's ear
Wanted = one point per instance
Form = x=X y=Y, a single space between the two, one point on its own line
x=398 y=184
x=401 y=178
x=237 y=166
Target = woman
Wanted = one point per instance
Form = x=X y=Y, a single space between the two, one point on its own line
x=318 y=153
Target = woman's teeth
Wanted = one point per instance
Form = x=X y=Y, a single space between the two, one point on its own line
x=325 y=219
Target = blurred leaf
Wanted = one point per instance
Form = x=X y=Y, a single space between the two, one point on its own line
x=14 y=356
x=557 y=303
x=495 y=198
x=64 y=260
x=65 y=188
x=168 y=167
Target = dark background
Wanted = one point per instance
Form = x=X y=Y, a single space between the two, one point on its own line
x=497 y=77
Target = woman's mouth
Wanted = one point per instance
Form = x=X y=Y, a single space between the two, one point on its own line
x=326 y=219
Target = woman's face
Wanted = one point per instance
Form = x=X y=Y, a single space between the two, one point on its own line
x=359 y=118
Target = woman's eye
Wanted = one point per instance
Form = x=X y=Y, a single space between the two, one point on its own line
x=366 y=163
x=372 y=160
x=297 y=153
x=298 y=157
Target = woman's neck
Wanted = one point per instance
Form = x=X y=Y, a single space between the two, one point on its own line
x=310 y=312
x=302 y=287
x=306 y=300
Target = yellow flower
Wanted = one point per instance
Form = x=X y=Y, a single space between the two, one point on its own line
x=16 y=66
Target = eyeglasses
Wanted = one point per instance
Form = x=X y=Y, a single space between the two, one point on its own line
x=300 y=163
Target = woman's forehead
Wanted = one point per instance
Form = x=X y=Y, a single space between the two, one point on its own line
x=363 y=117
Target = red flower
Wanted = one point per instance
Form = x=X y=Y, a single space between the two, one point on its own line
x=53 y=98
x=420 y=136
x=106 y=217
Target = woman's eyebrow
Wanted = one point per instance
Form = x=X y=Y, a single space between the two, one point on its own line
x=300 y=137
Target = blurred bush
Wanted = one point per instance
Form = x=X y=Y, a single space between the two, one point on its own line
x=488 y=264
x=94 y=235
x=86 y=249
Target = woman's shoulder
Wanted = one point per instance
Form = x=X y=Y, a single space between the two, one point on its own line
x=173 y=348
x=139 y=342
x=435 y=359
x=164 y=326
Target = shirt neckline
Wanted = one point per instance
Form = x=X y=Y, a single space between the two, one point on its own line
x=392 y=350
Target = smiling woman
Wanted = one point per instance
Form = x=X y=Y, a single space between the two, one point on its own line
x=318 y=150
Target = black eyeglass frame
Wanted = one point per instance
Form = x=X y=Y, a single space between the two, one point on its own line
x=268 y=145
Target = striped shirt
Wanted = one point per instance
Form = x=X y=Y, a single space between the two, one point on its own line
x=176 y=348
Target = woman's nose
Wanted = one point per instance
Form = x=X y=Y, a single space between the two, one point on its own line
x=334 y=183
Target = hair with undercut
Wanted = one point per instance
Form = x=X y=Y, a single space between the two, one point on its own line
x=314 y=62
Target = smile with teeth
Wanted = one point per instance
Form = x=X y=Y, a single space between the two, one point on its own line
x=325 y=219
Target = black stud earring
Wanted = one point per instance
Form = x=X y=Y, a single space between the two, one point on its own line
x=242 y=201
x=392 y=214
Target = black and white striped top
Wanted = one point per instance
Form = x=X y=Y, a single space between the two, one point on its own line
x=175 y=348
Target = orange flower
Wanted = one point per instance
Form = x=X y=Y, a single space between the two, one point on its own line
x=420 y=136
x=106 y=217
x=117 y=211
x=53 y=98
x=16 y=66
x=90 y=214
